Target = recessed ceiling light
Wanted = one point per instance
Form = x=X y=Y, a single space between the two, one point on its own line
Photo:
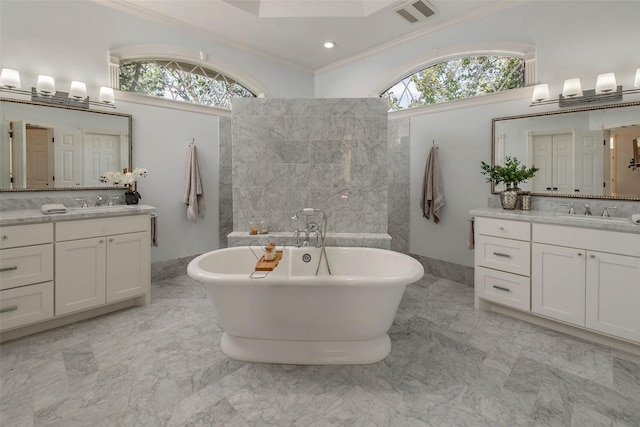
x=329 y=45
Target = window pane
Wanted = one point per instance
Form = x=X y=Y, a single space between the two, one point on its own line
x=181 y=81
x=457 y=79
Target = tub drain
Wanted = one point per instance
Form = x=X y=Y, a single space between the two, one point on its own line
x=306 y=257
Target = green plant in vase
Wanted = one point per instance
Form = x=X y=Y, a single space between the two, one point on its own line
x=512 y=174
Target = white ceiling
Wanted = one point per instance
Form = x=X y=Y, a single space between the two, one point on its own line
x=295 y=30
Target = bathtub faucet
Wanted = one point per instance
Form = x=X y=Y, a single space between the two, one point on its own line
x=310 y=227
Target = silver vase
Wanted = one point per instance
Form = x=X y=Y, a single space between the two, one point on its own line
x=509 y=198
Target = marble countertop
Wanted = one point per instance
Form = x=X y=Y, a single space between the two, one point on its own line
x=32 y=216
x=560 y=218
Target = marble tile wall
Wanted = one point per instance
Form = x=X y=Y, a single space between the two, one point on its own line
x=225 y=204
x=329 y=154
x=398 y=159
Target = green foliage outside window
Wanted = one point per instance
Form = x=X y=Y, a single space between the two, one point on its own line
x=457 y=79
x=181 y=81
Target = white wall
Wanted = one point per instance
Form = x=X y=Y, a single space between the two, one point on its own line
x=566 y=46
x=161 y=137
x=70 y=40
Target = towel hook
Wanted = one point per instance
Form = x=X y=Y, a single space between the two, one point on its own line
x=434 y=144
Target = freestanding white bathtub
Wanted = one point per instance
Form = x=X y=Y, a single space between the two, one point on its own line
x=290 y=315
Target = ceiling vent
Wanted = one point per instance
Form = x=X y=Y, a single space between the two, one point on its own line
x=415 y=11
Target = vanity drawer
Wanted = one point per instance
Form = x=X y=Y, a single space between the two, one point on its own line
x=28 y=304
x=87 y=228
x=513 y=256
x=503 y=288
x=598 y=240
x=24 y=235
x=26 y=266
x=503 y=228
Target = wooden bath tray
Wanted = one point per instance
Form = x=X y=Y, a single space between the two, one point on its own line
x=263 y=265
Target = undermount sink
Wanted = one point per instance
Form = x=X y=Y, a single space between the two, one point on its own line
x=578 y=217
x=92 y=209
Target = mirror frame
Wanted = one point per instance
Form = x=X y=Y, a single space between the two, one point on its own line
x=494 y=121
x=109 y=113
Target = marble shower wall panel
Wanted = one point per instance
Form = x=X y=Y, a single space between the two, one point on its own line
x=399 y=183
x=225 y=206
x=329 y=154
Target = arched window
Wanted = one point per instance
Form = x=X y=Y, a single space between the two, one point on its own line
x=456 y=79
x=180 y=81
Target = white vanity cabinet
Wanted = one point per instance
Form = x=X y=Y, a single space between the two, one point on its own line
x=99 y=261
x=587 y=277
x=558 y=282
x=26 y=274
x=561 y=273
x=502 y=259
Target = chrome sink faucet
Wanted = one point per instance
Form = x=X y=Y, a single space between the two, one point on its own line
x=605 y=211
x=84 y=202
x=99 y=200
x=572 y=211
x=587 y=209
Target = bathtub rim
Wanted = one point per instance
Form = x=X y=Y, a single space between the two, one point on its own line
x=220 y=279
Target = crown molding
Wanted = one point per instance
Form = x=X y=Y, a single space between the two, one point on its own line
x=147 y=15
x=477 y=13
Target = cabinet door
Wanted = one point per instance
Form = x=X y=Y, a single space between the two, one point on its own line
x=80 y=277
x=128 y=265
x=613 y=294
x=558 y=283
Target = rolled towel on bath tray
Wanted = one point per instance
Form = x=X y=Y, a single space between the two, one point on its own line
x=264 y=265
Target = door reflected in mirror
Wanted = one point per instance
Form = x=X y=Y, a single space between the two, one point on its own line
x=60 y=148
x=583 y=152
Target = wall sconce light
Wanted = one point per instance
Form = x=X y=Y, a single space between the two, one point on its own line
x=571 y=88
x=78 y=90
x=106 y=96
x=46 y=85
x=10 y=78
x=607 y=90
x=45 y=91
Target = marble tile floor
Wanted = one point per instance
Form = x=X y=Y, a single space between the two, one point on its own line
x=450 y=365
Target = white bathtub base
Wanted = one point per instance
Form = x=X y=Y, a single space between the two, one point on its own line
x=306 y=352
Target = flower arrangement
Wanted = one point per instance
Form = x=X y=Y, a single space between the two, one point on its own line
x=512 y=173
x=127 y=178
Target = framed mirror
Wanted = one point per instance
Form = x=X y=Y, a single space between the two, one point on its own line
x=47 y=147
x=582 y=152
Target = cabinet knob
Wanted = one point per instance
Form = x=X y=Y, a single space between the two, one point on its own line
x=501 y=228
x=579 y=253
x=111 y=240
x=4 y=237
x=592 y=256
x=100 y=241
